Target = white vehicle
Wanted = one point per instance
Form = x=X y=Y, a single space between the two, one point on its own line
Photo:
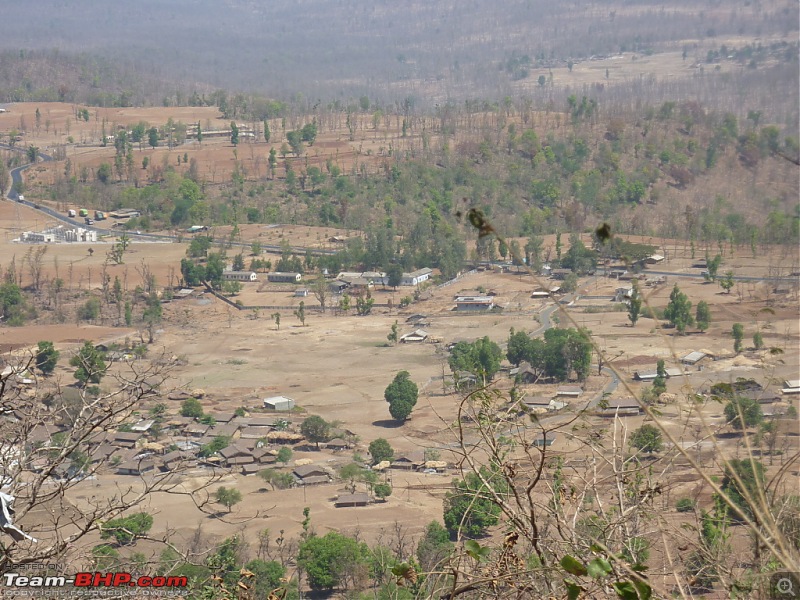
x=20 y=198
x=71 y=213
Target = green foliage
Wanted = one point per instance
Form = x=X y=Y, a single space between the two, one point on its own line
x=470 y=509
x=685 y=505
x=300 y=313
x=214 y=446
x=382 y=490
x=743 y=412
x=401 y=395
x=90 y=363
x=727 y=282
x=647 y=439
x=191 y=407
x=737 y=331
x=434 y=546
x=392 y=337
x=327 y=560
x=46 y=357
x=481 y=357
x=199 y=246
x=277 y=479
x=750 y=489
x=703 y=315
x=380 y=450
x=267 y=576
x=126 y=529
x=90 y=310
x=678 y=311
x=228 y=497
x=284 y=455
x=315 y=429
x=13 y=305
x=634 y=306
x=758 y=340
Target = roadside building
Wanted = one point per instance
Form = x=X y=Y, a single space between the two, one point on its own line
x=279 y=277
x=279 y=403
x=239 y=276
x=349 y=500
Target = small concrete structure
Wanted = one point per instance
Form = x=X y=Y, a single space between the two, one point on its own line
x=623 y=408
x=279 y=403
x=135 y=467
x=572 y=391
x=310 y=475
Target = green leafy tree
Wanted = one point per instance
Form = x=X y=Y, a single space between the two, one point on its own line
x=46 y=357
x=152 y=137
x=277 y=479
x=758 y=340
x=727 y=282
x=469 y=510
x=565 y=351
x=380 y=450
x=90 y=363
x=647 y=439
x=481 y=357
x=678 y=311
x=234 y=133
x=90 y=310
x=703 y=315
x=12 y=304
x=300 y=313
x=382 y=490
x=394 y=275
x=152 y=315
x=712 y=266
x=267 y=576
x=192 y=408
x=315 y=429
x=125 y=530
x=634 y=306
x=284 y=455
x=742 y=412
x=215 y=445
x=750 y=490
x=737 y=331
x=228 y=497
x=434 y=546
x=277 y=318
x=392 y=337
x=327 y=560
x=401 y=395
x=104 y=173
x=267 y=133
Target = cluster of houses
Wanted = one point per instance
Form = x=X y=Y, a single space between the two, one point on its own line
x=367 y=280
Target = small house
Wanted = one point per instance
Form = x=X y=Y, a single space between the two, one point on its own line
x=278 y=403
x=135 y=467
x=416 y=336
x=310 y=475
x=125 y=439
x=474 y=303
x=409 y=462
x=571 y=391
x=693 y=358
x=542 y=441
x=301 y=293
x=196 y=430
x=337 y=286
x=279 y=277
x=623 y=408
x=560 y=274
x=337 y=444
x=791 y=386
x=174 y=459
x=416 y=277
x=239 y=276
x=142 y=426
x=357 y=499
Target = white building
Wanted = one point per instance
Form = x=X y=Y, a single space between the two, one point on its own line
x=416 y=277
x=278 y=403
x=239 y=276
x=278 y=277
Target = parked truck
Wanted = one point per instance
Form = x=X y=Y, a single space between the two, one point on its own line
x=99 y=215
x=83 y=212
x=71 y=212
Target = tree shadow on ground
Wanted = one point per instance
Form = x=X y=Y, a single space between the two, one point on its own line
x=388 y=423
